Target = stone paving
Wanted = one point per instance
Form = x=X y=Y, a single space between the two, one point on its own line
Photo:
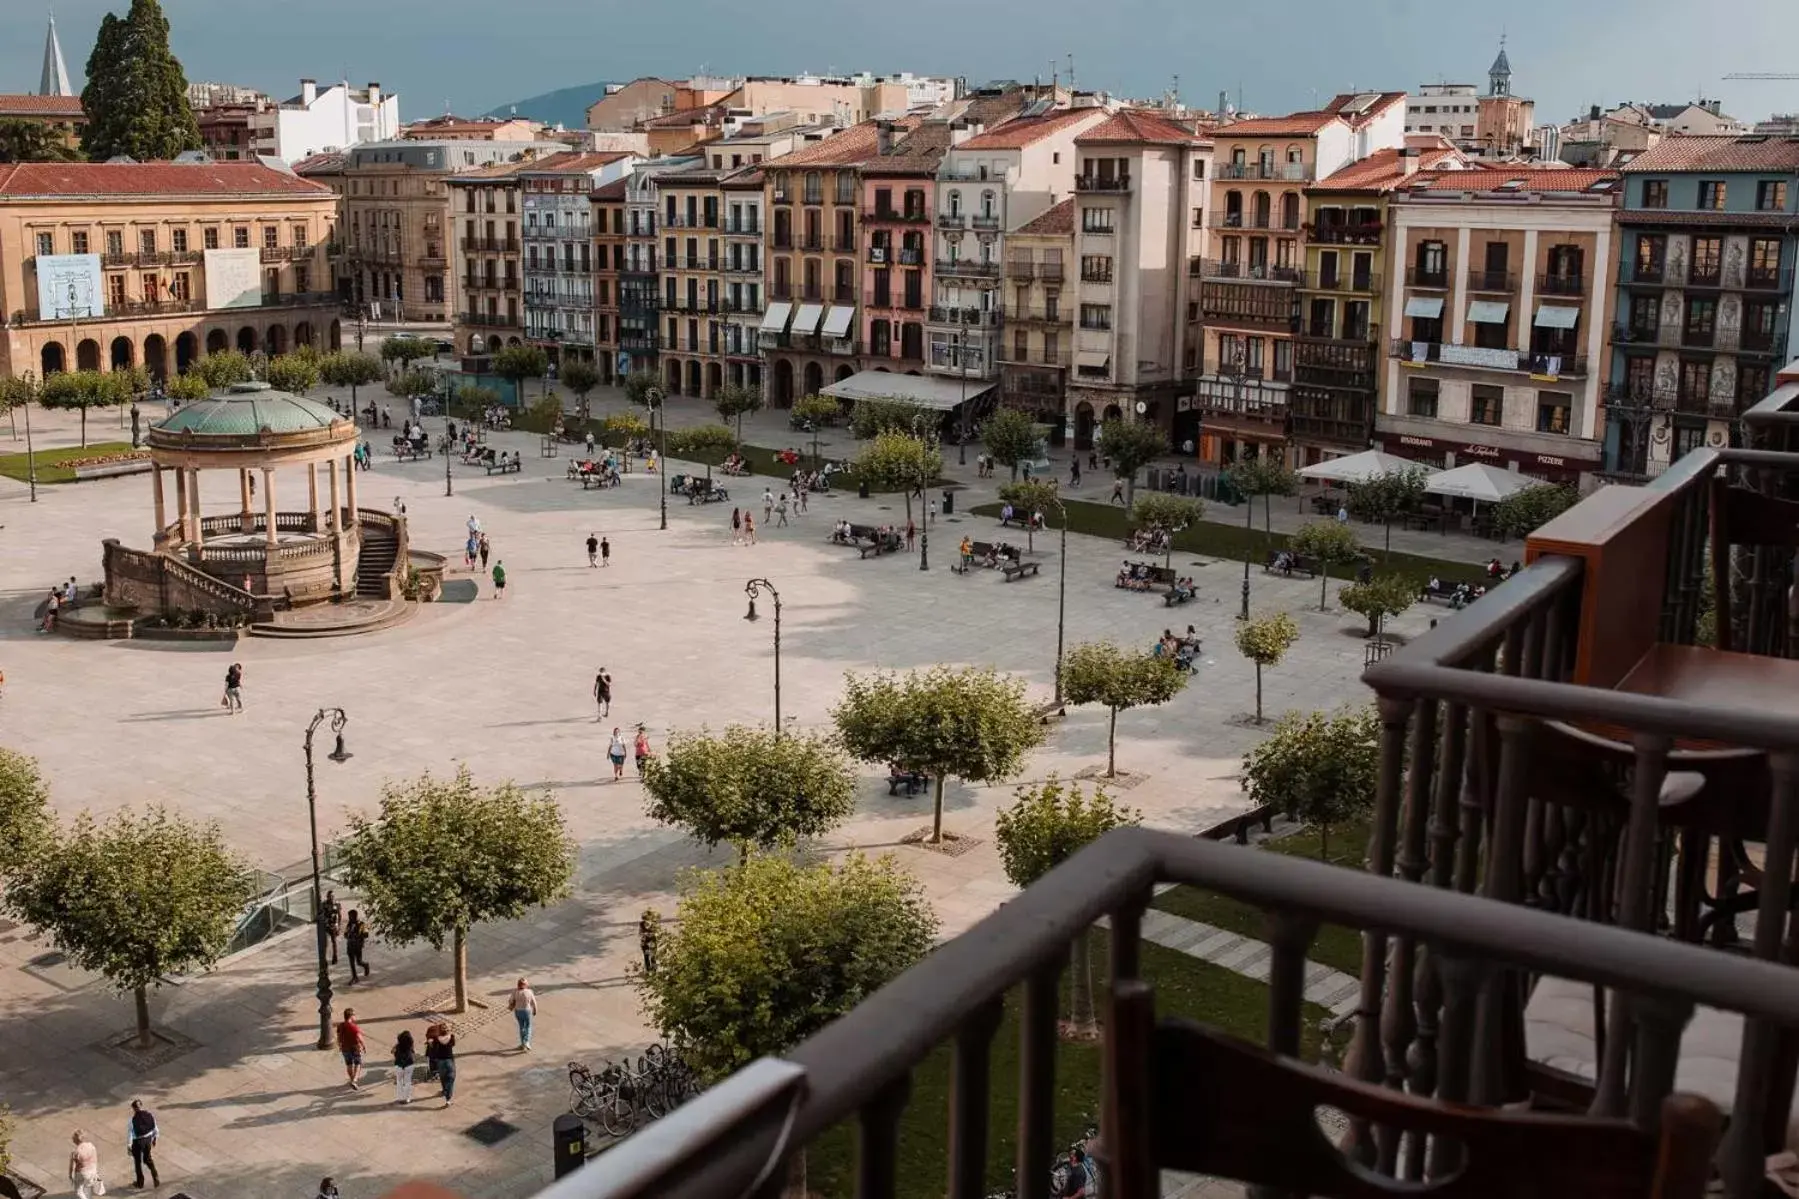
x=504 y=685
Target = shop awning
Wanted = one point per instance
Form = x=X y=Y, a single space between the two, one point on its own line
x=1096 y=360
x=1428 y=307
x=805 y=321
x=1488 y=312
x=926 y=391
x=775 y=319
x=838 y=320
x=1556 y=316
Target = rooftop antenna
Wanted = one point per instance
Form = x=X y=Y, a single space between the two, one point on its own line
x=1071 y=73
x=1174 y=93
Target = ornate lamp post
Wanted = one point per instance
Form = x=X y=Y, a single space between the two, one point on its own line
x=448 y=488
x=753 y=589
x=30 y=449
x=1061 y=593
x=659 y=421
x=338 y=754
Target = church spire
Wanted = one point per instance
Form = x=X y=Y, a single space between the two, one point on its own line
x=55 y=80
x=1499 y=75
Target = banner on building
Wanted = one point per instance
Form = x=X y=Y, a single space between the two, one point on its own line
x=69 y=286
x=234 y=278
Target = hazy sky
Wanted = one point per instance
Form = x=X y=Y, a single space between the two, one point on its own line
x=1282 y=55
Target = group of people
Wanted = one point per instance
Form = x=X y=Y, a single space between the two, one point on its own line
x=1460 y=595
x=63 y=595
x=994 y=555
x=603 y=472
x=773 y=506
x=1135 y=576
x=1498 y=573
x=440 y=1052
x=1183 y=649
x=140 y=1142
x=743 y=527
x=1011 y=515
x=1151 y=540
x=495 y=416
x=803 y=481
x=1183 y=589
x=363 y=456
x=735 y=465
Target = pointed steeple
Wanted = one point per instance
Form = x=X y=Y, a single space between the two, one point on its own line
x=1499 y=75
x=55 y=80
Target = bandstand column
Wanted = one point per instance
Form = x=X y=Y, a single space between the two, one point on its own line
x=312 y=493
x=247 y=519
x=337 y=512
x=162 y=514
x=268 y=501
x=354 y=519
x=182 y=530
x=194 y=533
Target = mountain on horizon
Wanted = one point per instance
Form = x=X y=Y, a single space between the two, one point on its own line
x=565 y=106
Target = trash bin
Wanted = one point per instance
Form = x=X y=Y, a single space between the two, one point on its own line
x=862 y=490
x=949 y=501
x=570 y=1136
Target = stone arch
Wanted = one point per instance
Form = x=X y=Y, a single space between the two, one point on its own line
x=87 y=355
x=783 y=383
x=1114 y=412
x=477 y=344
x=156 y=356
x=337 y=335
x=693 y=378
x=715 y=378
x=275 y=340
x=843 y=372
x=815 y=378
x=302 y=334
x=187 y=348
x=121 y=355
x=246 y=340
x=51 y=358
x=513 y=341
x=1083 y=426
x=217 y=341
x=674 y=377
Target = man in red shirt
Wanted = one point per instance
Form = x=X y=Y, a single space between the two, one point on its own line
x=350 y=1043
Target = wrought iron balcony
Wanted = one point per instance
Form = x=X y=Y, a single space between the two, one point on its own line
x=1287 y=172
x=976 y=317
x=1368 y=282
x=1102 y=183
x=1561 y=285
x=1492 y=281
x=1254 y=220
x=1361 y=233
x=967 y=268
x=1249 y=272
x=1530 y=362
x=1424 y=277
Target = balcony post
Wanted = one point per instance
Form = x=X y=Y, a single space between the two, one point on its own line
x=1125 y=1144
x=971 y=1077
x=268 y=503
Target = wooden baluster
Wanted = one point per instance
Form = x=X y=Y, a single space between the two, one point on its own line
x=877 y=1141
x=971 y=1082
x=1659 y=1023
x=1551 y=837
x=1465 y=980
x=1500 y=1001
x=1398 y=1020
x=1126 y=1155
x=1290 y=935
x=1037 y=1081
x=1570 y=886
x=1421 y=1058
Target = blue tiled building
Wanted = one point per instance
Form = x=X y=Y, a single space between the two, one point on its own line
x=1704 y=311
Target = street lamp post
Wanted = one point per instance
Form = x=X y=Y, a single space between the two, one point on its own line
x=448 y=487
x=338 y=754
x=753 y=589
x=30 y=450
x=962 y=406
x=1061 y=593
x=1249 y=531
x=659 y=420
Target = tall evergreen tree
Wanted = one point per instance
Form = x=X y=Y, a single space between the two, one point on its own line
x=136 y=93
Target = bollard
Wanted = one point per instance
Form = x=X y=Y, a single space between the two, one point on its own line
x=569 y=1135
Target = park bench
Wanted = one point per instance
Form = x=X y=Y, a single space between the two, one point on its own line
x=1018 y=520
x=1015 y=569
x=913 y=781
x=1301 y=565
x=977 y=554
x=857 y=535
x=112 y=470
x=1142 y=576
x=594 y=478
x=411 y=453
x=877 y=544
x=703 y=495
x=1172 y=598
x=504 y=466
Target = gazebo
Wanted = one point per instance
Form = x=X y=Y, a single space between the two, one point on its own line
x=259 y=558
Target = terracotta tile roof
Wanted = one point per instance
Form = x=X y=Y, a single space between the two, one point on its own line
x=1684 y=217
x=573 y=162
x=917 y=154
x=1028 y=131
x=1540 y=180
x=746 y=178
x=325 y=163
x=1381 y=171
x=64 y=107
x=1704 y=152
x=1375 y=104
x=850 y=147
x=1057 y=222
x=1134 y=127
x=614 y=190
x=487 y=174
x=1299 y=124
x=151 y=179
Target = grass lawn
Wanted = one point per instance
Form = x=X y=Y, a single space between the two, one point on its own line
x=50 y=463
x=1335 y=946
x=1184 y=986
x=1234 y=541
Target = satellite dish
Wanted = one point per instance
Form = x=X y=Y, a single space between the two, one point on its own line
x=1142 y=407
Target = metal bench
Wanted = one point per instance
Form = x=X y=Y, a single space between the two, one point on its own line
x=1016 y=569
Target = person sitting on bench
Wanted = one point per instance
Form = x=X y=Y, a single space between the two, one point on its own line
x=1183 y=589
x=1283 y=561
x=1006 y=513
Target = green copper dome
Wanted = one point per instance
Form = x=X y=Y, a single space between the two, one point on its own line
x=247 y=409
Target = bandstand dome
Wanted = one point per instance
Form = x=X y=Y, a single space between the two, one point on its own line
x=250 y=410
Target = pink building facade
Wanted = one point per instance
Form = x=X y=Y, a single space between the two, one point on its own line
x=897 y=207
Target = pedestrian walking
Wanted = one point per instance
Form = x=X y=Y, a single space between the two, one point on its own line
x=616 y=752
x=805 y=491
x=524 y=1009
x=1117 y=491
x=328 y=1189
x=1074 y=472
x=331 y=915
x=781 y=511
x=499 y=580
x=640 y=749
x=474 y=527
x=484 y=551
x=768 y=505
x=387 y=417
x=593 y=550
x=350 y=1041
x=440 y=1053
x=1342 y=515
x=469 y=549
x=649 y=932
x=932 y=517
x=356 y=937
x=234 y=688
x=749 y=528
x=84 y=1168
x=590 y=443
x=736 y=526
x=911 y=535
x=605 y=551
x=405 y=1061
x=141 y=1134
x=399 y=506
x=602 y=693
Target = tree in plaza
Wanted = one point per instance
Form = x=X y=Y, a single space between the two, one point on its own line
x=580 y=377
x=814 y=412
x=972 y=723
x=444 y=855
x=1047 y=826
x=1379 y=598
x=732 y=402
x=81 y=390
x=1265 y=642
x=762 y=957
x=144 y=896
x=1331 y=544
x=706 y=444
x=1099 y=672
x=1009 y=438
x=135 y=99
x=515 y=364
x=1130 y=446
x=639 y=384
x=189 y=387
x=24 y=140
x=872 y=417
x=412 y=384
x=1387 y=495
x=1524 y=512
x=406 y=349
x=895 y=461
x=352 y=369
x=1266 y=476
x=1166 y=511
x=473 y=400
x=25 y=821
x=15 y=392
x=1032 y=497
x=625 y=426
x=750 y=787
x=224 y=368
x=297 y=372
x=1319 y=767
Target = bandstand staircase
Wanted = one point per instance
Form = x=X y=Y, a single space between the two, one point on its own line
x=380 y=548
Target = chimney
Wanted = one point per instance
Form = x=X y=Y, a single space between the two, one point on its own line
x=375 y=93
x=883 y=138
x=1593 y=113
x=1408 y=162
x=309 y=91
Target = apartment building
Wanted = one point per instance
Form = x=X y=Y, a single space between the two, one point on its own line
x=396 y=221
x=1495 y=124
x=745 y=300
x=608 y=204
x=555 y=194
x=61 y=115
x=692 y=221
x=1037 y=341
x=486 y=254
x=998 y=179
x=1705 y=293
x=1499 y=318
x=1338 y=355
x=640 y=298
x=1248 y=295
x=334 y=117
x=1139 y=215
x=105 y=266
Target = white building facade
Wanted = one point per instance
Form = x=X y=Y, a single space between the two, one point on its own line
x=557 y=234
x=333 y=118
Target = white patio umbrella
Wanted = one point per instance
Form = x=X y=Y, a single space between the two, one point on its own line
x=1356 y=468
x=1477 y=481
